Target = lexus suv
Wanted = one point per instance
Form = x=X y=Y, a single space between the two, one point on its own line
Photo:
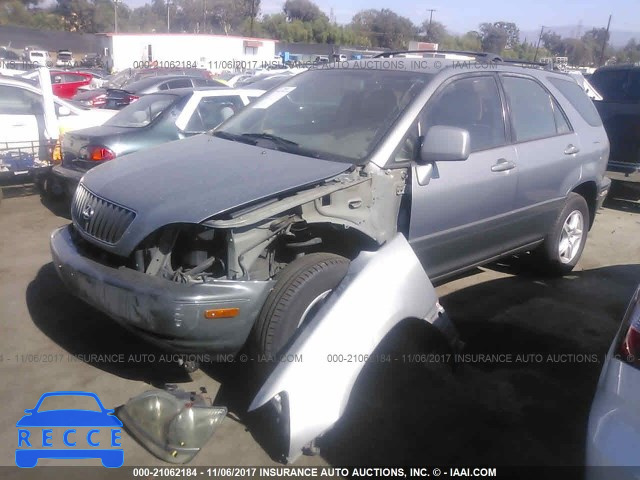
x=241 y=244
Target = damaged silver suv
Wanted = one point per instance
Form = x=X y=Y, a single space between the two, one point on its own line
x=237 y=236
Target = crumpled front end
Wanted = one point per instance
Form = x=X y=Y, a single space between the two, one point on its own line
x=379 y=291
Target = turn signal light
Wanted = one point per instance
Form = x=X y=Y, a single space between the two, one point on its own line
x=221 y=313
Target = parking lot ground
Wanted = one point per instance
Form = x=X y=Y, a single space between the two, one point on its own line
x=527 y=407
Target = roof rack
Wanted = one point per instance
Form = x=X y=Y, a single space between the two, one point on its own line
x=489 y=57
x=526 y=63
x=485 y=56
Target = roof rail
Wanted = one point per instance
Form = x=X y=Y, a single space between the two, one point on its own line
x=489 y=57
x=526 y=63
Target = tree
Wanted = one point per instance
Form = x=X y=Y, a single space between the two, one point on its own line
x=578 y=52
x=303 y=10
x=494 y=39
x=384 y=28
x=554 y=43
x=434 y=32
x=512 y=31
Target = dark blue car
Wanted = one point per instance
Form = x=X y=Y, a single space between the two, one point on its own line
x=31 y=449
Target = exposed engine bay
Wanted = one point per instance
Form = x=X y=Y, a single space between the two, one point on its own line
x=354 y=211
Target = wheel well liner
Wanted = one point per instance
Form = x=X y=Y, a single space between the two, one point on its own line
x=589 y=191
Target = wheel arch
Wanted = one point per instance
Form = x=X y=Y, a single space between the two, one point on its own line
x=589 y=191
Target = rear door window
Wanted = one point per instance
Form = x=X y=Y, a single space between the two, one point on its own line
x=578 y=99
x=532 y=115
x=141 y=112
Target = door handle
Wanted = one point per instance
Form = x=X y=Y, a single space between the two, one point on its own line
x=571 y=149
x=502 y=165
x=18 y=125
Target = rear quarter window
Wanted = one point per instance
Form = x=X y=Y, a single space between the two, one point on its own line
x=578 y=99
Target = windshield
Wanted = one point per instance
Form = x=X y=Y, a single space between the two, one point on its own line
x=339 y=114
x=141 y=112
x=64 y=56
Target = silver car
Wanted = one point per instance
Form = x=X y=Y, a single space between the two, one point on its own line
x=613 y=438
x=240 y=245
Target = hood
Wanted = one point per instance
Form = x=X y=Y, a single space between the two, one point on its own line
x=191 y=180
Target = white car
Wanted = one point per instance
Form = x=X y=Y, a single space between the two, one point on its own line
x=39 y=57
x=22 y=112
x=613 y=438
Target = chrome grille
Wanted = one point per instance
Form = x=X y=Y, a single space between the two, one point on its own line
x=99 y=218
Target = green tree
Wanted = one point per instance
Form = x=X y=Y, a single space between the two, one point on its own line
x=434 y=32
x=303 y=10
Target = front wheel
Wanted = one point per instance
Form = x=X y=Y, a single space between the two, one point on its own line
x=301 y=289
x=564 y=245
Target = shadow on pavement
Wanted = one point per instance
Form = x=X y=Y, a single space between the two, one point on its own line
x=59 y=206
x=624 y=197
x=483 y=409
x=83 y=331
x=534 y=348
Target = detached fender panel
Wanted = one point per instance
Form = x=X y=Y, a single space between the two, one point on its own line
x=380 y=290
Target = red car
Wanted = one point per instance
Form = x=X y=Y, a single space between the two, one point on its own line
x=66 y=84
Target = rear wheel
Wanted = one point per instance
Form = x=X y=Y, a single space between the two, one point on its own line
x=565 y=243
x=301 y=289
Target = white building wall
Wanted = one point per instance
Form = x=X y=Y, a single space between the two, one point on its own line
x=214 y=52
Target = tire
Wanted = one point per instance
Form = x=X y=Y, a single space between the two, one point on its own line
x=555 y=257
x=301 y=283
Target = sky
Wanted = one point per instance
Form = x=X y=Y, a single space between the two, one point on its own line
x=460 y=16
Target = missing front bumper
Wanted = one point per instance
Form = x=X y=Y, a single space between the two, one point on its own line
x=164 y=312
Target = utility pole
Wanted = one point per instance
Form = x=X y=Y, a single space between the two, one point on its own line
x=204 y=16
x=253 y=6
x=168 y=7
x=535 y=57
x=115 y=15
x=604 y=43
x=430 y=10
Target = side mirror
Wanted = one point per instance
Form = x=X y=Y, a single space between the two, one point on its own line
x=445 y=144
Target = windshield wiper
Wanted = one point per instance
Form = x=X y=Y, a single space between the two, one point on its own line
x=225 y=135
x=267 y=136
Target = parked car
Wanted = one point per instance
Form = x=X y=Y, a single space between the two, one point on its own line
x=66 y=84
x=23 y=145
x=21 y=112
x=613 y=438
x=232 y=238
x=39 y=58
x=619 y=86
x=117 y=98
x=9 y=55
x=65 y=59
x=156 y=118
x=266 y=82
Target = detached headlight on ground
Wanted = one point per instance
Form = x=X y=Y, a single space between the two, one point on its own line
x=173 y=425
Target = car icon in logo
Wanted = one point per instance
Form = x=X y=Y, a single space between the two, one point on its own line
x=38 y=429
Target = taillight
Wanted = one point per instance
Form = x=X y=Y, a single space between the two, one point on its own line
x=628 y=350
x=99 y=100
x=97 y=153
x=132 y=98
